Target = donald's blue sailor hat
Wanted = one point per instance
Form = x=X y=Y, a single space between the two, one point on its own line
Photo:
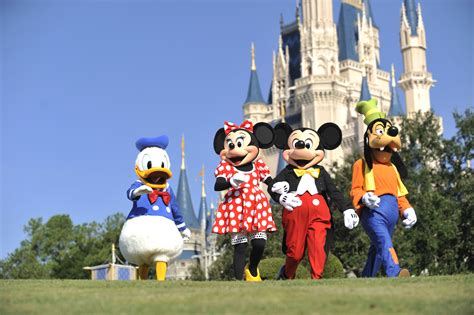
x=160 y=142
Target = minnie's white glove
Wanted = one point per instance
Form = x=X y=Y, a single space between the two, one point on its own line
x=238 y=179
x=371 y=200
x=186 y=234
x=290 y=201
x=281 y=188
x=142 y=190
x=351 y=219
x=410 y=218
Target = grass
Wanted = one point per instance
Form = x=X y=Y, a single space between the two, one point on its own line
x=421 y=295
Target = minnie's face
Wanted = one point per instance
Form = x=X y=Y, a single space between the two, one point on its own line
x=239 y=148
x=304 y=150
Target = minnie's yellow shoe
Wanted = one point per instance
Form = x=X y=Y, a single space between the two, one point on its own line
x=249 y=277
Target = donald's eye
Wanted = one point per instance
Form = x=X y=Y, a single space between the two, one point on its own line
x=149 y=165
x=162 y=164
x=308 y=143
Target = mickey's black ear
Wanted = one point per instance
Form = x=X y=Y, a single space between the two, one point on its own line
x=219 y=141
x=264 y=134
x=282 y=133
x=331 y=135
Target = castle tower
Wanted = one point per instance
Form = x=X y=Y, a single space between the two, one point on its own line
x=318 y=39
x=255 y=107
x=202 y=220
x=415 y=80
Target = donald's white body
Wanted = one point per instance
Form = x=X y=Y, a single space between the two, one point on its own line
x=146 y=239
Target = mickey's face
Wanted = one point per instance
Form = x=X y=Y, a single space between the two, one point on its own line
x=383 y=138
x=239 y=148
x=304 y=149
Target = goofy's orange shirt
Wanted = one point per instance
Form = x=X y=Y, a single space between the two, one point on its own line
x=386 y=182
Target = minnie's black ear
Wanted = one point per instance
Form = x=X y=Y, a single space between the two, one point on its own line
x=282 y=133
x=397 y=161
x=264 y=134
x=219 y=141
x=331 y=135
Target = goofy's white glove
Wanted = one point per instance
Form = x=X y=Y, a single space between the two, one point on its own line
x=410 y=218
x=371 y=200
x=290 y=201
x=142 y=190
x=238 y=179
x=186 y=234
x=351 y=219
x=281 y=188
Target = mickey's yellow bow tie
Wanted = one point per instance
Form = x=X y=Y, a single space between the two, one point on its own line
x=311 y=171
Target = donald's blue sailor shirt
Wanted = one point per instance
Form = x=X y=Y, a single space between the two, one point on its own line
x=142 y=206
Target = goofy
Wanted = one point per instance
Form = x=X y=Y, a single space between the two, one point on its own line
x=378 y=192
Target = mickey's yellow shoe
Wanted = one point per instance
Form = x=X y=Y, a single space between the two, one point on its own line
x=249 y=277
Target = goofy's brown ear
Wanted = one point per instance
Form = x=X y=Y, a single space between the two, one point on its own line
x=219 y=141
x=282 y=133
x=264 y=134
x=331 y=135
x=397 y=161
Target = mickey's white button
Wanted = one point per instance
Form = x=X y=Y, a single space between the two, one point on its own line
x=155 y=208
x=316 y=202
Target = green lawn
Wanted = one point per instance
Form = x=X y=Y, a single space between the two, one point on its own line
x=421 y=295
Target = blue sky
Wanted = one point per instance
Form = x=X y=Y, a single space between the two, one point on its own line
x=80 y=81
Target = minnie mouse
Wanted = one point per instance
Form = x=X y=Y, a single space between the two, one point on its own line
x=303 y=188
x=245 y=212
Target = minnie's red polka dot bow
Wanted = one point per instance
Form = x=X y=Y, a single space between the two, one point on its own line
x=228 y=126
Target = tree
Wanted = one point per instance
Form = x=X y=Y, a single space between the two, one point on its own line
x=60 y=249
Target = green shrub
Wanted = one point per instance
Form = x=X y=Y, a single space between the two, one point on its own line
x=270 y=267
x=333 y=268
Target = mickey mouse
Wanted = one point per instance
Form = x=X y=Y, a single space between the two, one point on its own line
x=245 y=211
x=303 y=188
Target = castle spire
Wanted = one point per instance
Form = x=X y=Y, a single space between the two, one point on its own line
x=396 y=108
x=411 y=15
x=183 y=195
x=203 y=205
x=364 y=90
x=254 y=94
x=183 y=165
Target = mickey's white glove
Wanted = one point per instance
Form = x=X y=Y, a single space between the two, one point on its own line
x=281 y=188
x=186 y=234
x=351 y=219
x=142 y=190
x=410 y=218
x=371 y=200
x=238 y=179
x=290 y=201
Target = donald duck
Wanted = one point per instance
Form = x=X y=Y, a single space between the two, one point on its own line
x=154 y=230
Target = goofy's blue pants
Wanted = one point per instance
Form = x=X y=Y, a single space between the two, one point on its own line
x=379 y=224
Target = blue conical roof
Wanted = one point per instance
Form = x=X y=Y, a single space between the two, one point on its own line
x=412 y=16
x=202 y=211
x=254 y=94
x=396 y=108
x=364 y=90
x=184 y=201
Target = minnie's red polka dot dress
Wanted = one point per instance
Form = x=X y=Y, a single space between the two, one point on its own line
x=246 y=208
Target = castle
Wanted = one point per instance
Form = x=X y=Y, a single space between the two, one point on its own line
x=322 y=69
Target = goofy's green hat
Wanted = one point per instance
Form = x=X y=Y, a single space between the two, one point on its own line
x=370 y=110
